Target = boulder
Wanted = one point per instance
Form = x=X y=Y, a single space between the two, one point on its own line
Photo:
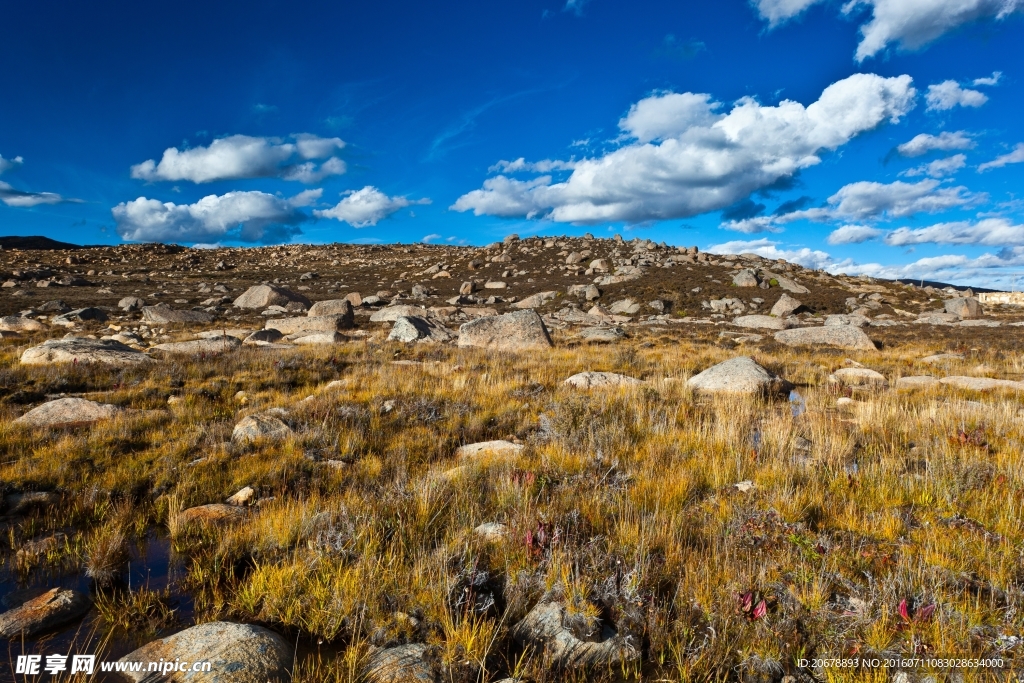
x=263 y=337
x=762 y=322
x=309 y=325
x=785 y=306
x=535 y=300
x=214 y=513
x=841 y=319
x=497 y=448
x=80 y=350
x=55 y=607
x=15 y=323
x=602 y=380
x=197 y=347
x=393 y=313
x=260 y=428
x=68 y=412
x=80 y=315
x=624 y=307
x=401 y=664
x=740 y=375
x=861 y=377
x=18 y=503
x=409 y=329
x=545 y=627
x=237 y=653
x=520 y=331
x=981 y=383
x=261 y=296
x=320 y=338
x=333 y=307
x=916 y=382
x=131 y=303
x=745 y=278
x=843 y=336
x=242 y=497
x=163 y=314
x=785 y=283
x=966 y=307
x=602 y=334
x=491 y=531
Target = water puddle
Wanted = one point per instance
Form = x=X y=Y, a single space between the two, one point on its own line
x=797 y=403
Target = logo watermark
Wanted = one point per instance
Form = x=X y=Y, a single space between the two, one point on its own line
x=34 y=665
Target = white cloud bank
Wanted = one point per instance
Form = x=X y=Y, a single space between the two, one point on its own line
x=366 y=207
x=235 y=216
x=991 y=232
x=241 y=156
x=1014 y=157
x=687 y=158
x=944 y=142
x=911 y=24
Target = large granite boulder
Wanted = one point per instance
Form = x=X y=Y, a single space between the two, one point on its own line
x=311 y=324
x=740 y=375
x=68 y=412
x=841 y=336
x=261 y=296
x=80 y=350
x=520 y=331
x=163 y=314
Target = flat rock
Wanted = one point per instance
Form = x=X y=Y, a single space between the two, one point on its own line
x=535 y=300
x=861 y=377
x=740 y=375
x=333 y=307
x=311 y=324
x=401 y=664
x=602 y=334
x=545 y=627
x=236 y=332
x=916 y=382
x=763 y=322
x=498 y=448
x=196 y=347
x=67 y=412
x=79 y=350
x=785 y=306
x=979 y=323
x=261 y=296
x=934 y=318
x=320 y=338
x=520 y=331
x=163 y=314
x=842 y=336
x=80 y=315
x=260 y=428
x=981 y=383
x=15 y=323
x=238 y=653
x=787 y=284
x=841 y=319
x=392 y=313
x=601 y=380
x=624 y=307
x=409 y=329
x=214 y=513
x=263 y=337
x=53 y=608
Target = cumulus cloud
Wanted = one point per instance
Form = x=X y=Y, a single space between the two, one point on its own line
x=776 y=12
x=1014 y=157
x=853 y=234
x=939 y=168
x=242 y=156
x=685 y=158
x=944 y=141
x=987 y=232
x=949 y=94
x=8 y=164
x=366 y=207
x=235 y=216
x=809 y=258
x=989 y=80
x=866 y=200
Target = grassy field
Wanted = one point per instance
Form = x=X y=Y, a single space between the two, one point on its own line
x=889 y=526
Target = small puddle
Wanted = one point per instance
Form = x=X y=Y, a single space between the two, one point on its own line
x=797 y=403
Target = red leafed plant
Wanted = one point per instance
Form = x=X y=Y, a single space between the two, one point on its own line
x=975 y=438
x=752 y=605
x=911 y=614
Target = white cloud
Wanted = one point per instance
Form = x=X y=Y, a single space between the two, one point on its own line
x=988 y=80
x=776 y=12
x=996 y=232
x=1014 y=157
x=948 y=94
x=944 y=141
x=241 y=156
x=235 y=216
x=865 y=200
x=427 y=239
x=21 y=199
x=8 y=164
x=939 y=168
x=853 y=234
x=366 y=207
x=808 y=258
x=704 y=162
x=521 y=165
x=753 y=225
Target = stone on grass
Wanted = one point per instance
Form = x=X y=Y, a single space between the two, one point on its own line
x=602 y=334
x=55 y=607
x=310 y=324
x=740 y=375
x=16 y=323
x=624 y=307
x=982 y=383
x=785 y=306
x=745 y=278
x=843 y=336
x=333 y=307
x=762 y=322
x=80 y=350
x=861 y=377
x=401 y=664
x=841 y=319
x=214 y=513
x=498 y=448
x=916 y=382
x=966 y=307
x=260 y=428
x=392 y=313
x=520 y=331
x=602 y=380
x=409 y=329
x=80 y=315
x=320 y=338
x=163 y=314
x=68 y=412
x=237 y=653
x=546 y=628
x=263 y=337
x=261 y=296
x=535 y=300
x=491 y=531
x=198 y=347
x=131 y=303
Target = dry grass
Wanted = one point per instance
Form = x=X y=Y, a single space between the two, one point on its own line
x=622 y=506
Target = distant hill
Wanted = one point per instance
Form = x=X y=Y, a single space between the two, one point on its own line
x=36 y=243
x=941 y=285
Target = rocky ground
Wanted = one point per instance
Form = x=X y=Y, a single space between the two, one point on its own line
x=546 y=459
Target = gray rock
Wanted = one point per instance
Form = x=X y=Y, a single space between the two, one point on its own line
x=402 y=664
x=237 y=653
x=916 y=382
x=163 y=314
x=15 y=323
x=261 y=296
x=263 y=337
x=745 y=278
x=413 y=328
x=498 y=448
x=785 y=306
x=309 y=325
x=131 y=303
x=53 y=608
x=55 y=306
x=545 y=628
x=66 y=412
x=843 y=336
x=762 y=322
x=196 y=347
x=786 y=283
x=841 y=319
x=982 y=383
x=260 y=428
x=861 y=377
x=320 y=338
x=81 y=350
x=535 y=300
x=624 y=307
x=519 y=331
x=393 y=313
x=602 y=380
x=334 y=307
x=80 y=315
x=740 y=375
x=966 y=307
x=603 y=334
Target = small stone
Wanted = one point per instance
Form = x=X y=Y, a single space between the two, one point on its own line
x=744 y=486
x=242 y=497
x=259 y=428
x=601 y=380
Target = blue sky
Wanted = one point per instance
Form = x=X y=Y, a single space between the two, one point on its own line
x=881 y=137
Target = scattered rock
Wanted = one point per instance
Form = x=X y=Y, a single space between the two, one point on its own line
x=238 y=653
x=982 y=383
x=764 y=322
x=68 y=412
x=80 y=350
x=320 y=338
x=260 y=428
x=601 y=380
x=967 y=307
x=393 y=313
x=844 y=337
x=602 y=334
x=624 y=307
x=409 y=329
x=196 y=347
x=745 y=278
x=15 y=323
x=545 y=627
x=163 y=314
x=535 y=300
x=311 y=324
x=740 y=375
x=80 y=315
x=861 y=377
x=335 y=307
x=916 y=382
x=131 y=303
x=53 y=608
x=261 y=296
x=841 y=319
x=402 y=664
x=499 y=448
x=785 y=306
x=520 y=331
